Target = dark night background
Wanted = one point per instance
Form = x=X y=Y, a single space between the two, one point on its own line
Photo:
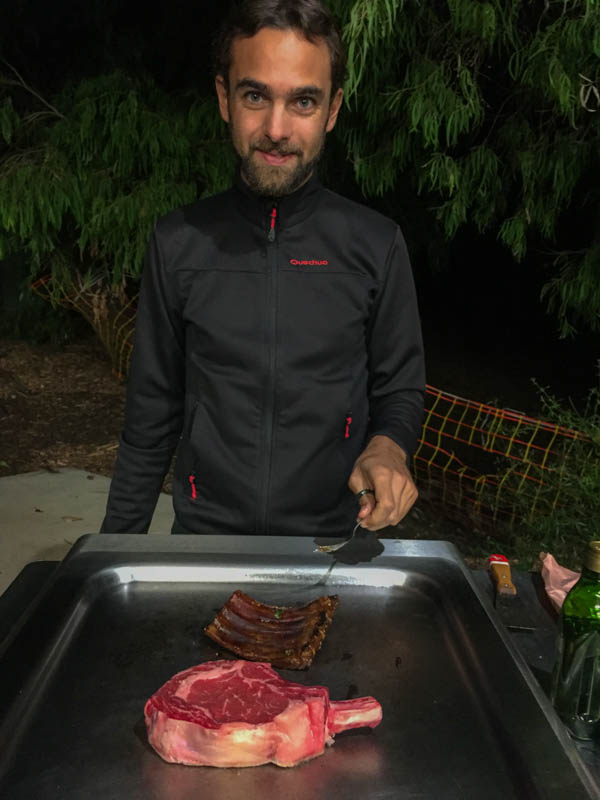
x=486 y=330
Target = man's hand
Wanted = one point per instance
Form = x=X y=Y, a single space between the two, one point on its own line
x=382 y=467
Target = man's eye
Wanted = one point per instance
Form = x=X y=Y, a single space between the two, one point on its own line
x=254 y=97
x=305 y=102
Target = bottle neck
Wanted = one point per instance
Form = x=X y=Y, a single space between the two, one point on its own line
x=591 y=558
x=589 y=575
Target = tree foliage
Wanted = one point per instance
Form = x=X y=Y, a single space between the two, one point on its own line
x=490 y=111
x=84 y=178
x=479 y=113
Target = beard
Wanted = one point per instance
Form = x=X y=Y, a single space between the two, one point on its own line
x=273 y=181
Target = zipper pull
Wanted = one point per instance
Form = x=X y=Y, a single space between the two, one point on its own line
x=271 y=236
x=192 y=480
x=348 y=423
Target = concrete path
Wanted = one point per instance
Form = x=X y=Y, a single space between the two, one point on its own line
x=43 y=513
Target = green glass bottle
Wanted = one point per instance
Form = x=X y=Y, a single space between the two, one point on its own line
x=576 y=680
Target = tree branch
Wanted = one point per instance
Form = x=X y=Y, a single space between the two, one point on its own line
x=21 y=82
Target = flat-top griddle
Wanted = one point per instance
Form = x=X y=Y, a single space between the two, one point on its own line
x=462 y=715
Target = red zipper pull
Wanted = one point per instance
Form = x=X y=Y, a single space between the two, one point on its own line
x=271 y=236
x=192 y=480
x=348 y=423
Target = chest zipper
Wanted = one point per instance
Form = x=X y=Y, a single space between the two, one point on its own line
x=270 y=391
x=273 y=215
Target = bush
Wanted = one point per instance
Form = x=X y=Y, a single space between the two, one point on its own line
x=561 y=514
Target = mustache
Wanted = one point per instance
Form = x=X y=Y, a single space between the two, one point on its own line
x=267 y=146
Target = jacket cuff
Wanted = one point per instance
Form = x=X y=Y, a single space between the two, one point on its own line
x=397 y=439
x=137 y=481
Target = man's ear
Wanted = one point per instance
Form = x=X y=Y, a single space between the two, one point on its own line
x=334 y=109
x=223 y=97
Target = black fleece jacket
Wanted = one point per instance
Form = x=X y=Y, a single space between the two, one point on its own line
x=273 y=339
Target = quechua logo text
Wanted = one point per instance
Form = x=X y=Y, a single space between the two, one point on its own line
x=311 y=262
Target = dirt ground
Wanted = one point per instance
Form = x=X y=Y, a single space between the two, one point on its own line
x=58 y=408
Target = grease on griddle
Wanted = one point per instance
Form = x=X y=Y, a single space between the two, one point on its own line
x=398 y=661
x=352 y=692
x=347 y=656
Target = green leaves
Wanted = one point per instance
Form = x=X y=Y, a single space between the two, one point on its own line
x=487 y=109
x=513 y=234
x=563 y=512
x=90 y=183
x=474 y=18
x=574 y=293
x=467 y=111
x=369 y=23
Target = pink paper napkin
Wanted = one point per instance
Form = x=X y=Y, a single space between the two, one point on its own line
x=557 y=580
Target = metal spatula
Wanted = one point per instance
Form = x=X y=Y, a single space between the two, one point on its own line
x=331 y=548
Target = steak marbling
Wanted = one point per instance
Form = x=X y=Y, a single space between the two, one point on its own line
x=242 y=714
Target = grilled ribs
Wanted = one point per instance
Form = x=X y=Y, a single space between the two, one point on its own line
x=285 y=637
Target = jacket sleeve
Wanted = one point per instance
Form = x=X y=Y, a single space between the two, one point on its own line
x=396 y=361
x=155 y=397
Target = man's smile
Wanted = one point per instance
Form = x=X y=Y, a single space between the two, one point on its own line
x=275 y=159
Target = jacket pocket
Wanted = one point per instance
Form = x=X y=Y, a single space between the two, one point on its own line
x=353 y=421
x=197 y=441
x=184 y=467
x=221 y=463
x=193 y=491
x=344 y=440
x=348 y=425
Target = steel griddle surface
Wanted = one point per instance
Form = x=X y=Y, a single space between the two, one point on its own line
x=463 y=717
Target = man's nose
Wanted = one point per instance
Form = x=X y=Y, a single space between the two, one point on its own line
x=277 y=123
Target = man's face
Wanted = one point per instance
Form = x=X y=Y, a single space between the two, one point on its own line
x=278 y=107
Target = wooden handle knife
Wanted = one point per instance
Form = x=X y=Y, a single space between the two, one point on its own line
x=510 y=607
x=500 y=573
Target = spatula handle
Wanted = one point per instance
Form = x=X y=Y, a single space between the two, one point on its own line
x=500 y=571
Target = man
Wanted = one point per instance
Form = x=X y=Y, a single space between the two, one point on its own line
x=277 y=340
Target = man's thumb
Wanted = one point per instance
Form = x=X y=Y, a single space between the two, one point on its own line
x=367 y=504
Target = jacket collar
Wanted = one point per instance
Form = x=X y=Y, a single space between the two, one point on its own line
x=291 y=208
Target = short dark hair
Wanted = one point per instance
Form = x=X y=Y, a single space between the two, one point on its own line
x=310 y=17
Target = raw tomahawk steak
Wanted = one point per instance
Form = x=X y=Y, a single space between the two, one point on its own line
x=242 y=714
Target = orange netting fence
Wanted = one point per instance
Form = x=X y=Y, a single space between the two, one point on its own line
x=481 y=464
x=490 y=464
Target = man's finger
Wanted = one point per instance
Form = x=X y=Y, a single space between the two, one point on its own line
x=358 y=481
x=405 y=502
x=367 y=503
x=383 y=504
x=395 y=497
